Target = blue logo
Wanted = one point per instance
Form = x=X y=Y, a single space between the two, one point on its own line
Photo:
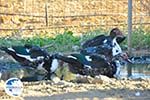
x=13 y=87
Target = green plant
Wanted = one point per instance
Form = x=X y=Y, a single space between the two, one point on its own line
x=63 y=42
x=140 y=38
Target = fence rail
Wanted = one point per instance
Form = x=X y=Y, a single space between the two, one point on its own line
x=67 y=26
x=19 y=14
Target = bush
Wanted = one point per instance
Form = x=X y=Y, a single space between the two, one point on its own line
x=64 y=42
x=140 y=39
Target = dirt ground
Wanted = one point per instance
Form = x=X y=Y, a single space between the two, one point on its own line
x=105 y=90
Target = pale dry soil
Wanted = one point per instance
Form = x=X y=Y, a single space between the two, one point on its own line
x=113 y=89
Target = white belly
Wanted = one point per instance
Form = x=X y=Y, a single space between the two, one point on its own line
x=54 y=65
x=116 y=49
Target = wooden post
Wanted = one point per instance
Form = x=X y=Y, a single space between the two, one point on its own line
x=140 y=13
x=129 y=34
x=46 y=14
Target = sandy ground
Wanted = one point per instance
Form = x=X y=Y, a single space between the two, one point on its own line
x=104 y=90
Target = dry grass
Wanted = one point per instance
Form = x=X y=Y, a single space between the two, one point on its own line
x=70 y=14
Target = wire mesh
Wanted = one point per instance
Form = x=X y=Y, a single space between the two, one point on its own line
x=78 y=16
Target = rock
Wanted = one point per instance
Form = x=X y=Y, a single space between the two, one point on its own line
x=97 y=80
x=19 y=73
x=82 y=79
x=55 y=79
x=65 y=83
x=106 y=79
x=9 y=70
x=64 y=73
x=137 y=94
x=75 y=48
